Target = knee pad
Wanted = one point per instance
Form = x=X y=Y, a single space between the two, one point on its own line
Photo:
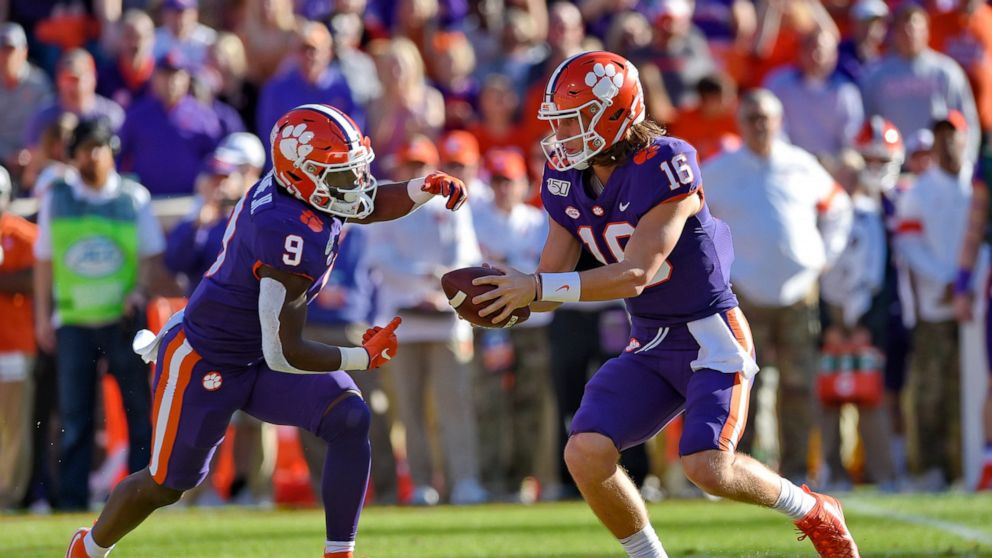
x=349 y=417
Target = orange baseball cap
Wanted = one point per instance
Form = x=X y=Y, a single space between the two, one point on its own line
x=459 y=147
x=954 y=119
x=419 y=149
x=506 y=163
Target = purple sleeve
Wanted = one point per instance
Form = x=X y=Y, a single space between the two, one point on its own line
x=289 y=243
x=552 y=197
x=674 y=173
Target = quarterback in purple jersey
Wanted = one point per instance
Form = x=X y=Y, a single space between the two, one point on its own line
x=617 y=187
x=239 y=344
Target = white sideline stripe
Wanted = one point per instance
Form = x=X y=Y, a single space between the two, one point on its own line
x=162 y=420
x=963 y=531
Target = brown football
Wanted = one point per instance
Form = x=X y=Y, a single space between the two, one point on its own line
x=458 y=287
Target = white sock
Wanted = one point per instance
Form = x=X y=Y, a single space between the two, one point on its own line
x=94 y=550
x=644 y=544
x=339 y=546
x=794 y=501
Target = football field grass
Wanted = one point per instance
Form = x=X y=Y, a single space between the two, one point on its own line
x=904 y=526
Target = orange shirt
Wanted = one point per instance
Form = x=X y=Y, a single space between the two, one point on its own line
x=968 y=40
x=709 y=135
x=17 y=238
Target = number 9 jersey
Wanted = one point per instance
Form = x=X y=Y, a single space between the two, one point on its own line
x=268 y=227
x=695 y=280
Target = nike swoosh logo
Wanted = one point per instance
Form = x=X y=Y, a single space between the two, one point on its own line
x=385 y=355
x=624 y=206
x=563 y=287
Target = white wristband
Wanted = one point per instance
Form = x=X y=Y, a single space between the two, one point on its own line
x=414 y=189
x=354 y=358
x=561 y=287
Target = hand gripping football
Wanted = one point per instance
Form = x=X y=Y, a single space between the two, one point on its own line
x=458 y=287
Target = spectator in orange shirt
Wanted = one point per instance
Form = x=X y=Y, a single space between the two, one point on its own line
x=711 y=126
x=781 y=26
x=498 y=106
x=965 y=34
x=17 y=348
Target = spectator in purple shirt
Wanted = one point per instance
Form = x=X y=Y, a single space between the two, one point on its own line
x=193 y=244
x=127 y=77
x=314 y=79
x=169 y=133
x=76 y=83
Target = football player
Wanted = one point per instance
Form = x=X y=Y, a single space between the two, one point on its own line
x=238 y=345
x=617 y=186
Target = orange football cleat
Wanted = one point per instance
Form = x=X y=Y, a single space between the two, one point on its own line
x=76 y=548
x=985 y=481
x=824 y=526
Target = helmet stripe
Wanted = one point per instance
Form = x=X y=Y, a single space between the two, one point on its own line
x=348 y=128
x=553 y=81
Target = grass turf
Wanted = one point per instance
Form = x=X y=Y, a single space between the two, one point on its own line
x=947 y=525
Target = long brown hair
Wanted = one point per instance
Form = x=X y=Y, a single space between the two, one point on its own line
x=637 y=138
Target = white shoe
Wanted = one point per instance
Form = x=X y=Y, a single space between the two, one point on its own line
x=468 y=492
x=424 y=496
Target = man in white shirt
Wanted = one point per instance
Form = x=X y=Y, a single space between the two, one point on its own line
x=410 y=256
x=789 y=222
x=513 y=383
x=932 y=217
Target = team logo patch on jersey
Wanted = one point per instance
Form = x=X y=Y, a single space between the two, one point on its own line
x=572 y=212
x=645 y=155
x=212 y=381
x=632 y=346
x=558 y=187
x=598 y=211
x=308 y=218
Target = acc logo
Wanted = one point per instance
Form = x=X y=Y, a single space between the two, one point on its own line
x=572 y=212
x=558 y=187
x=597 y=211
x=212 y=381
x=308 y=218
x=645 y=155
x=94 y=256
x=632 y=346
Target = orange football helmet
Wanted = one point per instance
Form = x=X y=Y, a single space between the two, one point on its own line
x=601 y=92
x=880 y=144
x=320 y=156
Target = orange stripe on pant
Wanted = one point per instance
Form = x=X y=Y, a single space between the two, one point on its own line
x=185 y=372
x=740 y=399
x=163 y=379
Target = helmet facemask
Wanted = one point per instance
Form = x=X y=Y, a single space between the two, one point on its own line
x=346 y=189
x=592 y=143
x=881 y=170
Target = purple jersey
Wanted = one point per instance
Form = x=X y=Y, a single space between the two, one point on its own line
x=268 y=227
x=695 y=280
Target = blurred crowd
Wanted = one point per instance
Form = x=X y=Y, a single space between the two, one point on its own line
x=846 y=142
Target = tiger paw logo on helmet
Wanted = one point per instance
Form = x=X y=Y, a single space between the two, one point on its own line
x=295 y=142
x=605 y=81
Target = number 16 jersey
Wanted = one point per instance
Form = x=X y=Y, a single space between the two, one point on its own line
x=268 y=227
x=694 y=282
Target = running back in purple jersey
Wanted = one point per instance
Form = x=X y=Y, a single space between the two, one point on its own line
x=270 y=227
x=695 y=280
